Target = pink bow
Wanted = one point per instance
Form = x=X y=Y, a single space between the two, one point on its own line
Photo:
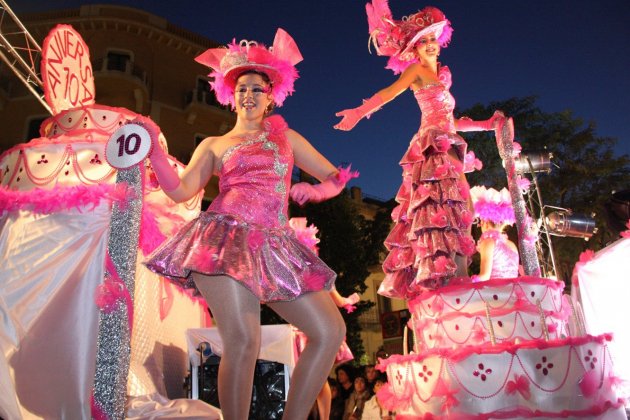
x=520 y=384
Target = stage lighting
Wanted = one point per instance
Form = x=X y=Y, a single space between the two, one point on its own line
x=565 y=223
x=533 y=162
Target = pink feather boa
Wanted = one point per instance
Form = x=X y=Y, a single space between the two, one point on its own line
x=41 y=201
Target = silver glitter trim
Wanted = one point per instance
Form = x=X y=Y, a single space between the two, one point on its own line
x=114 y=336
x=524 y=223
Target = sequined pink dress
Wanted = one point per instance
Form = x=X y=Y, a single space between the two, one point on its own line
x=244 y=233
x=504 y=258
x=432 y=219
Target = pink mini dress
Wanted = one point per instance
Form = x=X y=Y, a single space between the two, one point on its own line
x=244 y=233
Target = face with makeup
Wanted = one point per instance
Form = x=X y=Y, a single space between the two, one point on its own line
x=428 y=48
x=252 y=95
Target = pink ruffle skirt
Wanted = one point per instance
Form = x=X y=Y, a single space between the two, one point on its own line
x=271 y=262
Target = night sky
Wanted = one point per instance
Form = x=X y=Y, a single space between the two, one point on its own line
x=572 y=54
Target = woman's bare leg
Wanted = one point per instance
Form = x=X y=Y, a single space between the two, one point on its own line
x=316 y=315
x=237 y=314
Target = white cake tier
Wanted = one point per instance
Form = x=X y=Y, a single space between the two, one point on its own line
x=77 y=157
x=101 y=118
x=567 y=378
x=518 y=309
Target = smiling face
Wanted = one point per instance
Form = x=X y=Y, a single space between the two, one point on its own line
x=252 y=96
x=428 y=48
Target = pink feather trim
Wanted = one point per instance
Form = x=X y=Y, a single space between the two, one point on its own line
x=305 y=234
x=58 y=199
x=95 y=408
x=345 y=175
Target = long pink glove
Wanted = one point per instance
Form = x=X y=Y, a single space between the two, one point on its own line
x=466 y=124
x=165 y=173
x=303 y=192
x=352 y=116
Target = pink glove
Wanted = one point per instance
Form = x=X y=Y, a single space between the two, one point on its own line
x=350 y=302
x=352 y=116
x=466 y=124
x=165 y=173
x=303 y=192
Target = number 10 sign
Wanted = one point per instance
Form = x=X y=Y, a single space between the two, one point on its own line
x=128 y=146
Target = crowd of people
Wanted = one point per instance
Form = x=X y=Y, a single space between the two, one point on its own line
x=353 y=391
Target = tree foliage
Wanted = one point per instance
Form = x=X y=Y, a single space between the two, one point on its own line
x=585 y=169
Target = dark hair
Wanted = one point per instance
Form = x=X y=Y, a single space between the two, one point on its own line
x=264 y=75
x=348 y=369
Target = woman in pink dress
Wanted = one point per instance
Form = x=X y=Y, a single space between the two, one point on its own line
x=499 y=255
x=430 y=242
x=241 y=251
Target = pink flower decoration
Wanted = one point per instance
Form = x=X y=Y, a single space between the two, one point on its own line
x=464 y=189
x=520 y=384
x=440 y=219
x=441 y=170
x=441 y=390
x=422 y=190
x=552 y=328
x=466 y=218
x=478 y=334
x=467 y=245
x=440 y=265
x=255 y=239
x=517 y=148
x=523 y=183
x=442 y=144
x=471 y=163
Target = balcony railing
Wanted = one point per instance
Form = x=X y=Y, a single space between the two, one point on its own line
x=370 y=319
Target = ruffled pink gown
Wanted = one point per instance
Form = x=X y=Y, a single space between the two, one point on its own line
x=504 y=258
x=432 y=219
x=244 y=233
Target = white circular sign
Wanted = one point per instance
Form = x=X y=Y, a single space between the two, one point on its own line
x=128 y=146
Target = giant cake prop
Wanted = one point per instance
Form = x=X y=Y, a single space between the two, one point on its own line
x=57 y=194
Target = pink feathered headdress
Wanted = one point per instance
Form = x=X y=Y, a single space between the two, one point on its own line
x=278 y=62
x=305 y=234
x=397 y=38
x=492 y=205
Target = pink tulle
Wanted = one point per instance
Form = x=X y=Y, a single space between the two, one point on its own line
x=57 y=199
x=589 y=383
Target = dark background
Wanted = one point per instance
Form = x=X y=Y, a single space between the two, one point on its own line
x=572 y=54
